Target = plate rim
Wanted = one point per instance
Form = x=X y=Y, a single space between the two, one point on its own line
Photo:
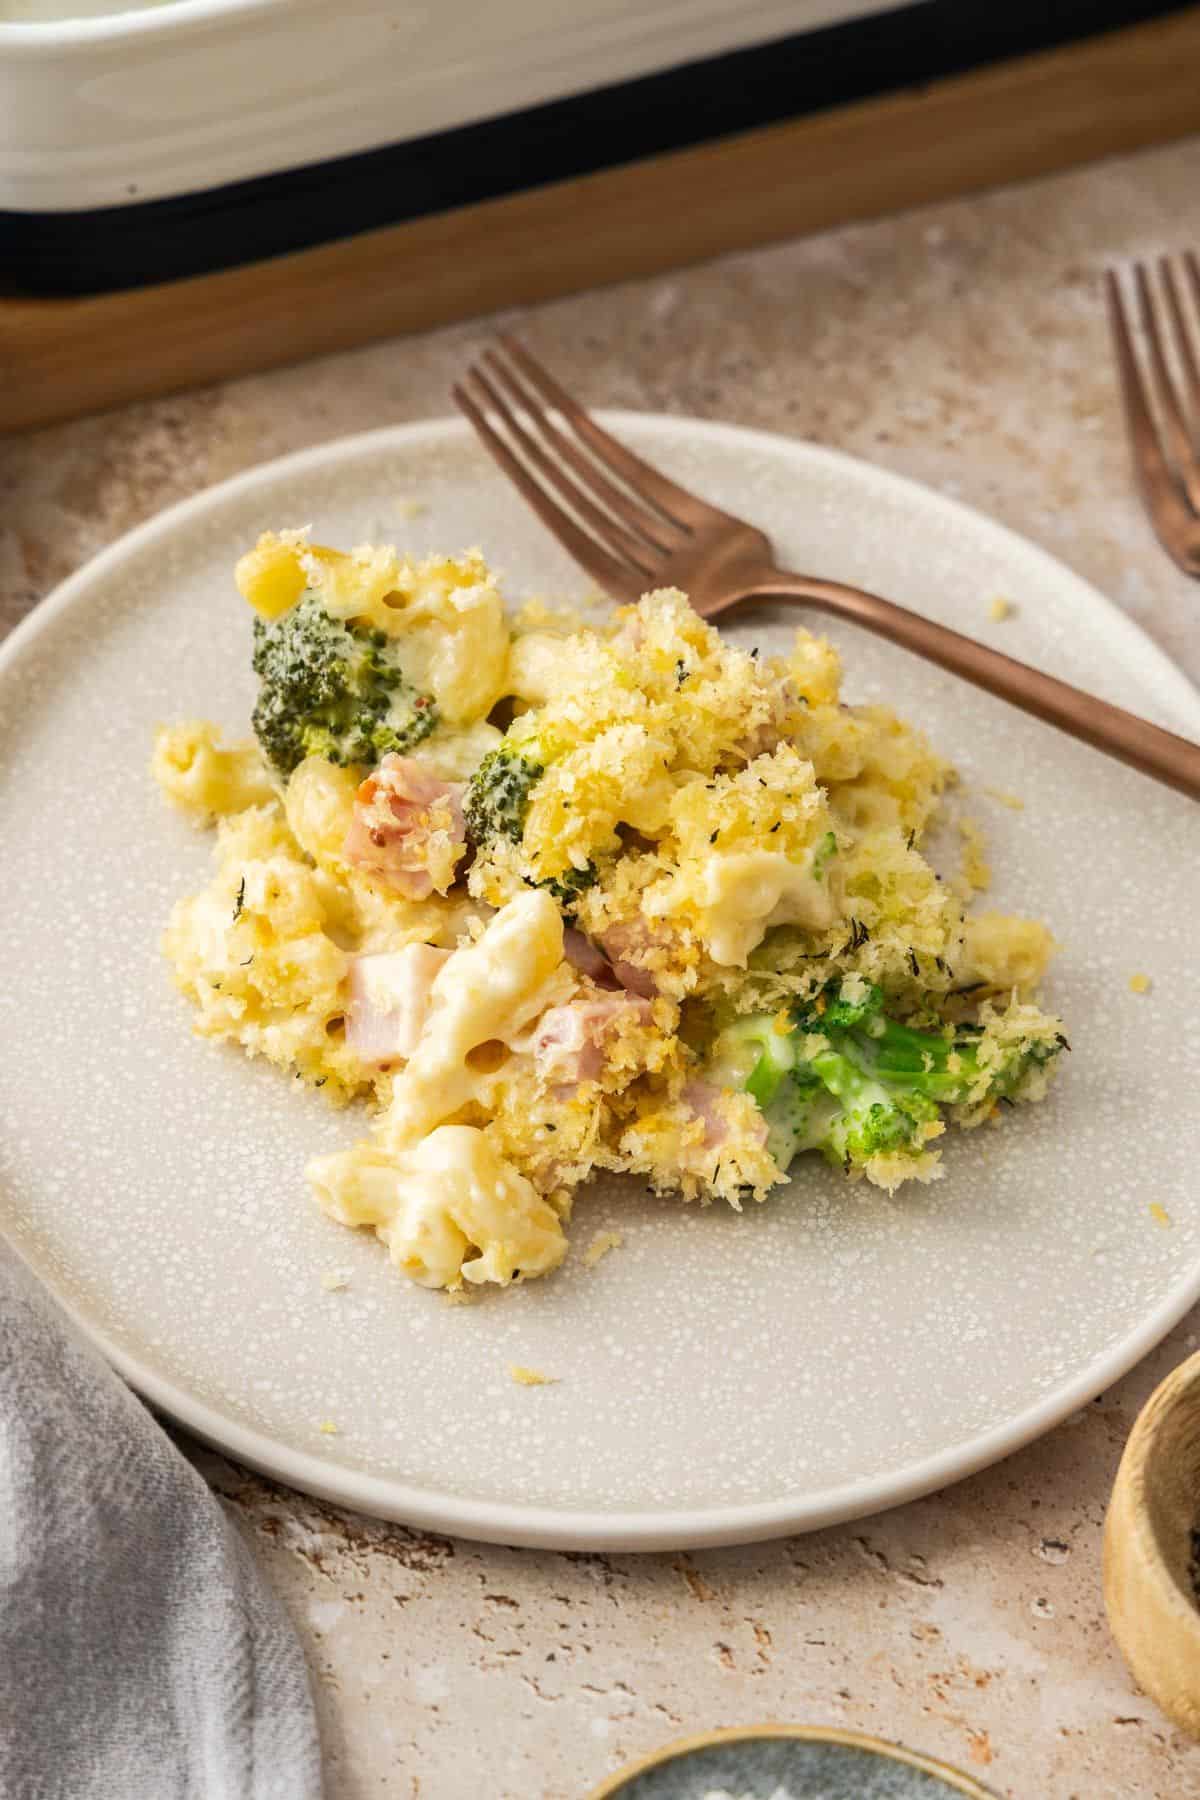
x=957 y=1779
x=564 y=1527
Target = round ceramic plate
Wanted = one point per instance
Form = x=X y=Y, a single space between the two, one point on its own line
x=720 y=1377
x=786 y=1762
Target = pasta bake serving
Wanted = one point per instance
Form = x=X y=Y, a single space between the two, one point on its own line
x=558 y=899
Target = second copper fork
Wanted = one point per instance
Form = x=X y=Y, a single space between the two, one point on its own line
x=1162 y=409
x=632 y=528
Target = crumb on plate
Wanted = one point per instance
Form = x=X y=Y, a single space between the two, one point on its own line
x=1001 y=609
x=1013 y=802
x=601 y=1244
x=975 y=872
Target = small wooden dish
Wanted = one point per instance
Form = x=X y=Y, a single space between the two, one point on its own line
x=1149 y=1548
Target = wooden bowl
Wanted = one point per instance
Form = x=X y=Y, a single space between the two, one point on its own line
x=1150 y=1551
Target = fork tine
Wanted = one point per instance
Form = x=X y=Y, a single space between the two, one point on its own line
x=677 y=505
x=649 y=524
x=615 y=577
x=1178 y=436
x=611 y=534
x=1183 y=334
x=1168 y=511
x=1192 y=271
x=1137 y=411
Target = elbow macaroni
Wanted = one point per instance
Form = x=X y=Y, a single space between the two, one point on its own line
x=205 y=777
x=486 y=993
x=449 y=1209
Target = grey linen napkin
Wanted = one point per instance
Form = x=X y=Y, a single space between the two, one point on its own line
x=142 y=1656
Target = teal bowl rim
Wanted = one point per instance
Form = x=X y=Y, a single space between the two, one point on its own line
x=610 y=1787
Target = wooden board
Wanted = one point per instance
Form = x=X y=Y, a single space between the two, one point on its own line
x=1122 y=91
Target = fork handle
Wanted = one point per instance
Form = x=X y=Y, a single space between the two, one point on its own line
x=1168 y=758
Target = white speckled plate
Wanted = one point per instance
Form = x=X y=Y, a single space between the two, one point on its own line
x=720 y=1377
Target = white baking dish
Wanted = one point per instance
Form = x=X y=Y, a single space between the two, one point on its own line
x=121 y=107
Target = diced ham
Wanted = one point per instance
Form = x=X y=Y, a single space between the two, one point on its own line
x=571 y=1041
x=407 y=828
x=565 y=1046
x=587 y=957
x=703 y=1100
x=618 y=942
x=389 y=1001
x=635 y=980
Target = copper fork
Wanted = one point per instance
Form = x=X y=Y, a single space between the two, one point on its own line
x=632 y=529
x=1165 y=460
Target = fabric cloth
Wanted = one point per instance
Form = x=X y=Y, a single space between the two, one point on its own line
x=142 y=1656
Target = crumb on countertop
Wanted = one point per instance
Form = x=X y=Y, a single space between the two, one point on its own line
x=529 y=1377
x=1160 y=1215
x=333 y=1281
x=1014 y=802
x=327 y=1428
x=601 y=1244
x=1001 y=609
x=458 y=1297
x=1139 y=984
x=409 y=508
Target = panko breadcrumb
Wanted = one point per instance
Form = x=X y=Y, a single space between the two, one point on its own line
x=975 y=871
x=1002 y=797
x=525 y=1377
x=601 y=1244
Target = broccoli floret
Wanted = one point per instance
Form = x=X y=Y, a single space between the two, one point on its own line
x=497 y=800
x=567 y=887
x=756 y=1053
x=334 y=689
x=497 y=796
x=498 y=793
x=838 y=1075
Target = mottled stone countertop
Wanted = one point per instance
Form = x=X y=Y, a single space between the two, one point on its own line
x=964 y=345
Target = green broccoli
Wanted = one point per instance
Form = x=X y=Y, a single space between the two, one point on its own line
x=497 y=796
x=497 y=801
x=838 y=1075
x=334 y=689
x=567 y=887
x=823 y=854
x=498 y=793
